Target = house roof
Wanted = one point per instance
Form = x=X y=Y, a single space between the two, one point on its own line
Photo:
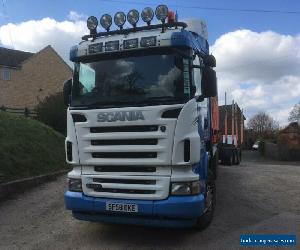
x=13 y=58
x=293 y=127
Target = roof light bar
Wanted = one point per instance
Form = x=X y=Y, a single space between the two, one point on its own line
x=133 y=16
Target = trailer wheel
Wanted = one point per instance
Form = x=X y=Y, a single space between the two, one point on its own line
x=210 y=202
x=230 y=160
x=238 y=159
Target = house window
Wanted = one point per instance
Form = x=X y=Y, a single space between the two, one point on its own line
x=6 y=74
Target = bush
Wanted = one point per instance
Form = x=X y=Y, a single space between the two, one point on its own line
x=261 y=147
x=52 y=112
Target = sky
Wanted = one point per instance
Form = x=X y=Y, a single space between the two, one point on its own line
x=256 y=43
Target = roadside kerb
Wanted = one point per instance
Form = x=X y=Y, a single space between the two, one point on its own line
x=9 y=189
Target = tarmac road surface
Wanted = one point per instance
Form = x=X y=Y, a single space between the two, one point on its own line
x=256 y=197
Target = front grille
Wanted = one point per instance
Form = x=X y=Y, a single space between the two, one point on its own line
x=123 y=191
x=125 y=155
x=124 y=142
x=124 y=169
x=141 y=128
x=126 y=186
x=125 y=181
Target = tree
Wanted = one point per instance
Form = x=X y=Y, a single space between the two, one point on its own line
x=294 y=115
x=263 y=125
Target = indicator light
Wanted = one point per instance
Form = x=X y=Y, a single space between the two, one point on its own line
x=112 y=46
x=130 y=43
x=148 y=41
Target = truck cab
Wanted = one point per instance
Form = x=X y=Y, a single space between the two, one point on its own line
x=140 y=124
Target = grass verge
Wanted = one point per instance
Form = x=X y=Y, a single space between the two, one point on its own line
x=28 y=148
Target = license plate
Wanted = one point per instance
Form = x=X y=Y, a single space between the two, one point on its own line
x=120 y=207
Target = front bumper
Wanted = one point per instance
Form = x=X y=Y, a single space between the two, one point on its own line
x=176 y=211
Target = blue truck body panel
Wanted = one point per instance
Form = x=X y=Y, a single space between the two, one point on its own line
x=178 y=211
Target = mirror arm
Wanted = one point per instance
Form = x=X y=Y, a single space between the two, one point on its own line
x=199 y=98
x=70 y=98
x=196 y=66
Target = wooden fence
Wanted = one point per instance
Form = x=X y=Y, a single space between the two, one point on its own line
x=20 y=111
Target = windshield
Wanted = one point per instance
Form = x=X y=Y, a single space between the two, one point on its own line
x=144 y=78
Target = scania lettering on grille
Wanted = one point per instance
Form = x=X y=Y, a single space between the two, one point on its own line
x=120 y=116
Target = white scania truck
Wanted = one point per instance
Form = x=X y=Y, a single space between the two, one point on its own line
x=140 y=126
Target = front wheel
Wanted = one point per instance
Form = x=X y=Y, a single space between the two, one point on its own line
x=210 y=202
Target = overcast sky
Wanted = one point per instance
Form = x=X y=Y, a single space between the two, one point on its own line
x=257 y=51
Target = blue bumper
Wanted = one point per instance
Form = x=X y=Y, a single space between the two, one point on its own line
x=176 y=211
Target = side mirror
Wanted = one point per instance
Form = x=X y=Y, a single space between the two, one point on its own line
x=210 y=61
x=193 y=90
x=67 y=91
x=209 y=82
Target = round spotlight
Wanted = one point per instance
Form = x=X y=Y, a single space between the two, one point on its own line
x=147 y=15
x=120 y=19
x=161 y=12
x=92 y=23
x=106 y=21
x=133 y=17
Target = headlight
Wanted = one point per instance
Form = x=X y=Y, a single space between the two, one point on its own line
x=106 y=21
x=161 y=12
x=120 y=19
x=147 y=15
x=133 y=17
x=185 y=188
x=75 y=185
x=92 y=23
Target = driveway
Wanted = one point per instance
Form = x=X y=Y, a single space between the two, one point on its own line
x=257 y=196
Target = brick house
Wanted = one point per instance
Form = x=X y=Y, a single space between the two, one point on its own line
x=288 y=142
x=27 y=78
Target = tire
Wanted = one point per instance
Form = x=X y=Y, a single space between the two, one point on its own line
x=236 y=157
x=214 y=165
x=206 y=218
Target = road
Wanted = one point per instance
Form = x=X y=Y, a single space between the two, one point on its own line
x=255 y=197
